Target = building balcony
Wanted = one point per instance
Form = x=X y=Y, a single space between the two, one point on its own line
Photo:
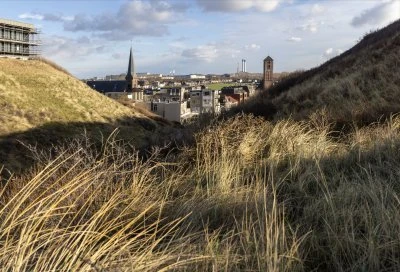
x=25 y=41
x=24 y=52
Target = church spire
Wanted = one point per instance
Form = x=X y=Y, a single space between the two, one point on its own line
x=131 y=67
x=131 y=75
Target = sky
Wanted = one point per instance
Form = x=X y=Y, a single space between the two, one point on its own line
x=92 y=38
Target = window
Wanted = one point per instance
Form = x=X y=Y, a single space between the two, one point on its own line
x=207 y=93
x=154 y=107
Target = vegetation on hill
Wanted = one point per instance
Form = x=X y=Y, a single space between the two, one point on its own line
x=33 y=93
x=248 y=195
x=360 y=85
x=290 y=194
x=44 y=106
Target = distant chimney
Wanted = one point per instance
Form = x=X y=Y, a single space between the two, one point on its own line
x=244 y=66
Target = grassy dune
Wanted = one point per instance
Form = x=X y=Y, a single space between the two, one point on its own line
x=43 y=106
x=360 y=85
x=34 y=92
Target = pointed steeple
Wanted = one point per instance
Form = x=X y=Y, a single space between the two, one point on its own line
x=131 y=75
x=131 y=67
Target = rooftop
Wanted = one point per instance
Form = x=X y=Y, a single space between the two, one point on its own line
x=16 y=23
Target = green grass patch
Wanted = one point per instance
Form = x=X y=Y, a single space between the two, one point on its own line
x=219 y=86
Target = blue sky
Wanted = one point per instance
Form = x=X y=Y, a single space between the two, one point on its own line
x=92 y=38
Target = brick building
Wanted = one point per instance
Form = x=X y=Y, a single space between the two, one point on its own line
x=268 y=72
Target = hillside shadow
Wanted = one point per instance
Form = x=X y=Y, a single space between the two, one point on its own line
x=140 y=134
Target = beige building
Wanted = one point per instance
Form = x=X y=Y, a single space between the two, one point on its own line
x=204 y=101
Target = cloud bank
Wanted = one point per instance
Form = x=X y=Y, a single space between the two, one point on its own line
x=145 y=18
x=45 y=17
x=133 y=18
x=211 y=52
x=379 y=15
x=238 y=5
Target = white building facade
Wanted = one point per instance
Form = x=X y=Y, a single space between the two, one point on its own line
x=204 y=101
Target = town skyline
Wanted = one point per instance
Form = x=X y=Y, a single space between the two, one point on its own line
x=92 y=38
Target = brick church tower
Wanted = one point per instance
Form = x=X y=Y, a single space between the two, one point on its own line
x=268 y=72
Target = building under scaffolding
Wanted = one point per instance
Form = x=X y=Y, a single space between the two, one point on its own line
x=18 y=39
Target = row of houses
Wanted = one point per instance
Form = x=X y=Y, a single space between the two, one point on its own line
x=175 y=102
x=179 y=104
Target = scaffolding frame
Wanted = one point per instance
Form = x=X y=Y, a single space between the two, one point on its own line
x=18 y=39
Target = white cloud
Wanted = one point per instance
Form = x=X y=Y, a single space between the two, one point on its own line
x=311 y=26
x=211 y=52
x=252 y=46
x=32 y=16
x=238 y=5
x=206 y=53
x=45 y=17
x=379 y=15
x=294 y=39
x=317 y=9
x=177 y=45
x=330 y=52
x=67 y=48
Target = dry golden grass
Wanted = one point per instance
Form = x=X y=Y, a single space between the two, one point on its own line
x=248 y=196
x=34 y=92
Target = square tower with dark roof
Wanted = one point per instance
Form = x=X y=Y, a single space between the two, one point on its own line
x=268 y=72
